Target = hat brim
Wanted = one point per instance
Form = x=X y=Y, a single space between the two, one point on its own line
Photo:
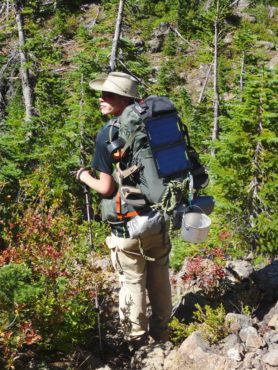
x=98 y=85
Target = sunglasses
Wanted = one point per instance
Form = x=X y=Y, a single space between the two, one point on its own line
x=106 y=94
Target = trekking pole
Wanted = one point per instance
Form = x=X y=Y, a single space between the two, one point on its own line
x=82 y=163
x=88 y=210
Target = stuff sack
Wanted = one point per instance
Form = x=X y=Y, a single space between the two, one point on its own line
x=146 y=224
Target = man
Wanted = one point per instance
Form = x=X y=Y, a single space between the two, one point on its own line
x=136 y=273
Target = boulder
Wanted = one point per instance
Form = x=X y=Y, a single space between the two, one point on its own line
x=237 y=322
x=239 y=270
x=271 y=358
x=267 y=280
x=194 y=354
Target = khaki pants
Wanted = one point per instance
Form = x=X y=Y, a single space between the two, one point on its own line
x=136 y=275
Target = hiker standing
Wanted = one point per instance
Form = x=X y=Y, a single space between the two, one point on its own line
x=137 y=274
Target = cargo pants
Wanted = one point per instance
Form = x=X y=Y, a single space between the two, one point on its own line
x=139 y=276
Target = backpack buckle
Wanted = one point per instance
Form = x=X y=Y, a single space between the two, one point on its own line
x=132 y=195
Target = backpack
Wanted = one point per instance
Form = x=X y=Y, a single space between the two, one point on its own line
x=156 y=166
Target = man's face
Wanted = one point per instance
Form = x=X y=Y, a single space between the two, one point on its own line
x=112 y=103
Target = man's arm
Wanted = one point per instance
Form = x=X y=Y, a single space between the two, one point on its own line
x=104 y=185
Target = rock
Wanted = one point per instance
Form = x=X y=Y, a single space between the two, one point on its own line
x=271 y=338
x=254 y=342
x=245 y=332
x=155 y=44
x=239 y=270
x=272 y=11
x=271 y=358
x=235 y=354
x=151 y=357
x=243 y=4
x=247 y=17
x=162 y=29
x=230 y=341
x=273 y=62
x=266 y=45
x=236 y=322
x=273 y=322
x=248 y=360
x=194 y=354
x=267 y=281
x=138 y=42
x=272 y=312
x=251 y=338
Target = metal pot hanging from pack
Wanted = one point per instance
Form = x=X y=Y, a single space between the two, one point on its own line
x=195 y=225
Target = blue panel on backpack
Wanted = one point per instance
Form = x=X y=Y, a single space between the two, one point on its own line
x=163 y=130
x=167 y=144
x=171 y=160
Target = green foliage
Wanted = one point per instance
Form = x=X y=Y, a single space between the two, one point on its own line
x=245 y=165
x=47 y=281
x=208 y=321
x=181 y=250
x=68 y=43
x=16 y=286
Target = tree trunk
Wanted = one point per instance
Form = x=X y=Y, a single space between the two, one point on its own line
x=114 y=51
x=25 y=80
x=215 y=131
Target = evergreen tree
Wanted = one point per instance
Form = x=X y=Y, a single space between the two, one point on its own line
x=247 y=162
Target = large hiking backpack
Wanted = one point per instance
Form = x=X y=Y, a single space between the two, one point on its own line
x=155 y=162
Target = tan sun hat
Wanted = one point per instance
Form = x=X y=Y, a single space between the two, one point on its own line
x=118 y=83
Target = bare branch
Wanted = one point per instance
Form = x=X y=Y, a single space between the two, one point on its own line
x=26 y=86
x=205 y=84
x=132 y=74
x=114 y=52
x=172 y=28
x=2 y=9
x=215 y=131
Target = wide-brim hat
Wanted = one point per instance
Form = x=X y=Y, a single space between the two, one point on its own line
x=117 y=83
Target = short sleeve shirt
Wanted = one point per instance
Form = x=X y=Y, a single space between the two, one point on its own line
x=101 y=160
x=102 y=163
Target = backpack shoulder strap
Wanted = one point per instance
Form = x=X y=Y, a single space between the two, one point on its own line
x=114 y=122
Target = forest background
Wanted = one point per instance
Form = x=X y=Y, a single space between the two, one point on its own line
x=216 y=60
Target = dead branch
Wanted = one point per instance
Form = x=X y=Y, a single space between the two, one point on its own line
x=205 y=84
x=24 y=71
x=178 y=34
x=118 y=29
x=215 y=131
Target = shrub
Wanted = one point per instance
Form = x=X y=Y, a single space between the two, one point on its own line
x=207 y=273
x=210 y=322
x=47 y=286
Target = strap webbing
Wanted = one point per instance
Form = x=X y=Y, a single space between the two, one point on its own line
x=121 y=216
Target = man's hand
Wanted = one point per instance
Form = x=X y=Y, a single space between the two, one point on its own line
x=104 y=184
x=83 y=173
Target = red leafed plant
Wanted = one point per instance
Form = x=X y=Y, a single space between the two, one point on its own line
x=206 y=273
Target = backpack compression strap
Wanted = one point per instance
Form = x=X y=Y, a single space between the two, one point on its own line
x=120 y=216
